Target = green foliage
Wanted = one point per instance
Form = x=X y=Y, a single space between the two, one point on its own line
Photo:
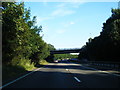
x=51 y=47
x=43 y=62
x=22 y=44
x=25 y=63
x=50 y=57
x=64 y=56
x=105 y=47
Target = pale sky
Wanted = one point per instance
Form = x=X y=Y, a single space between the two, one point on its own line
x=70 y=24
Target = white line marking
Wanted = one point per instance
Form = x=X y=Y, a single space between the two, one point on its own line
x=19 y=78
x=67 y=69
x=89 y=68
x=77 y=79
x=110 y=73
x=101 y=71
x=116 y=75
x=37 y=69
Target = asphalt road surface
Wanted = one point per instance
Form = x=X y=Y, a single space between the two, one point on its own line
x=67 y=75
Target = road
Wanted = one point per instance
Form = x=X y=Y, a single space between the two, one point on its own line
x=67 y=75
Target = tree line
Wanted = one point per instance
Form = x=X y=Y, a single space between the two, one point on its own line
x=64 y=56
x=106 y=46
x=22 y=42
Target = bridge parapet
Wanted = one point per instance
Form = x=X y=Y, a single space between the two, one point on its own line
x=63 y=51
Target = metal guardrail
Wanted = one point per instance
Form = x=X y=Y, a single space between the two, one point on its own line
x=106 y=64
x=113 y=65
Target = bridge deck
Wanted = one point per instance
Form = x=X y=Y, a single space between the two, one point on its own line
x=65 y=51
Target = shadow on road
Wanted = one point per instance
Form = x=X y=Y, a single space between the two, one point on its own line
x=63 y=79
x=73 y=65
x=55 y=75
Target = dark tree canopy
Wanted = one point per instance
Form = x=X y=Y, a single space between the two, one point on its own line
x=105 y=47
x=21 y=37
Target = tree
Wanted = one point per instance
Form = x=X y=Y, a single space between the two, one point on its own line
x=50 y=57
x=21 y=36
x=106 y=47
x=11 y=15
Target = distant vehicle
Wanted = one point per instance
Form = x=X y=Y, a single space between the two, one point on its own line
x=55 y=61
x=74 y=59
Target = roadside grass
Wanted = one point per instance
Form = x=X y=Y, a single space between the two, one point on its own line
x=15 y=69
x=25 y=63
x=43 y=62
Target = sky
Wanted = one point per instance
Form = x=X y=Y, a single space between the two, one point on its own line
x=70 y=24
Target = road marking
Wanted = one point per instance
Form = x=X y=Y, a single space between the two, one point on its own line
x=19 y=78
x=101 y=71
x=77 y=79
x=74 y=77
x=89 y=68
x=116 y=75
x=67 y=69
x=37 y=69
x=109 y=73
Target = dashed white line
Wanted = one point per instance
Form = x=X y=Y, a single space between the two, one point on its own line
x=77 y=79
x=67 y=69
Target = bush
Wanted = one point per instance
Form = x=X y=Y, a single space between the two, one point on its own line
x=43 y=62
x=25 y=63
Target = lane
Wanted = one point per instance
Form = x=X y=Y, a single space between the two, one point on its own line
x=93 y=78
x=49 y=76
x=67 y=75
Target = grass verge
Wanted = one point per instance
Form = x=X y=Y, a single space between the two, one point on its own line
x=43 y=62
x=17 y=69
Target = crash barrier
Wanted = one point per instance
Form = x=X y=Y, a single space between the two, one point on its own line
x=109 y=64
x=114 y=65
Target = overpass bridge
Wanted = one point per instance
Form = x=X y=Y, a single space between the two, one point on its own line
x=64 y=51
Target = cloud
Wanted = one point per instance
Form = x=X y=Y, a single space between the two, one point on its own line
x=67 y=5
x=64 y=9
x=67 y=24
x=62 y=0
x=62 y=12
x=45 y=3
x=41 y=19
x=60 y=31
x=72 y=22
x=62 y=5
x=76 y=4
